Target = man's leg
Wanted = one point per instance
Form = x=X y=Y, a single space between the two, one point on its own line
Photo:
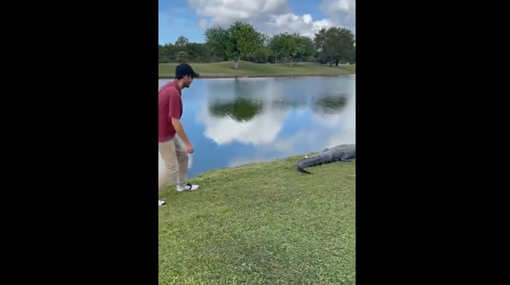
x=167 y=152
x=183 y=159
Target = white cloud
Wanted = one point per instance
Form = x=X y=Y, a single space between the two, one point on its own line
x=270 y=16
x=260 y=130
x=284 y=147
x=293 y=23
x=203 y=23
x=341 y=11
x=224 y=12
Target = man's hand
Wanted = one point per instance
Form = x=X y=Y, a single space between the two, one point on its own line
x=180 y=131
x=189 y=148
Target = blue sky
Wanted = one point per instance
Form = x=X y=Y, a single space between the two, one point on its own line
x=177 y=21
x=190 y=18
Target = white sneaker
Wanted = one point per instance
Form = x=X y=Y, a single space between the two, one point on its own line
x=187 y=187
x=161 y=202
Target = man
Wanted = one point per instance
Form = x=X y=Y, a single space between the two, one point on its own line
x=174 y=145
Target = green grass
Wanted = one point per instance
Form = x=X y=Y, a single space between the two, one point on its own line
x=262 y=223
x=250 y=69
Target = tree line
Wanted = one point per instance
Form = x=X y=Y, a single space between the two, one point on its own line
x=241 y=41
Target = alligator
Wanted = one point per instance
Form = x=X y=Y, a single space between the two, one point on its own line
x=343 y=152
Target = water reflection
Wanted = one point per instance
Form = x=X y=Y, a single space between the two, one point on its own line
x=288 y=105
x=233 y=122
x=261 y=123
x=330 y=105
x=241 y=110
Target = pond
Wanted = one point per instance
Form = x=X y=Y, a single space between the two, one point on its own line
x=231 y=122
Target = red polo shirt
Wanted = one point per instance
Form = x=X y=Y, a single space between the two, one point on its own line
x=169 y=106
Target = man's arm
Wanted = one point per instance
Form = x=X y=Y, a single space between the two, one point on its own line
x=180 y=131
x=175 y=113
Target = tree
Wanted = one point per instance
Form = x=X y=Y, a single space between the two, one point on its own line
x=242 y=41
x=180 y=47
x=196 y=52
x=285 y=45
x=162 y=56
x=217 y=41
x=261 y=55
x=291 y=46
x=239 y=40
x=276 y=45
x=181 y=42
x=166 y=53
x=182 y=56
x=264 y=52
x=335 y=44
x=305 y=47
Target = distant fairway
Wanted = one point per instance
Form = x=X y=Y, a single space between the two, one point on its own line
x=250 y=69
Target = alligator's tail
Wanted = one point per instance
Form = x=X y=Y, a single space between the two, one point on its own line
x=302 y=170
x=309 y=161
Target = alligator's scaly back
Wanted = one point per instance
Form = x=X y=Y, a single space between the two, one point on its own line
x=343 y=152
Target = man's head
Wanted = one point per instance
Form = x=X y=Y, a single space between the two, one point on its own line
x=185 y=74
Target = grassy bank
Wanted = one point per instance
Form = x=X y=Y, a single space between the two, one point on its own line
x=249 y=69
x=261 y=223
